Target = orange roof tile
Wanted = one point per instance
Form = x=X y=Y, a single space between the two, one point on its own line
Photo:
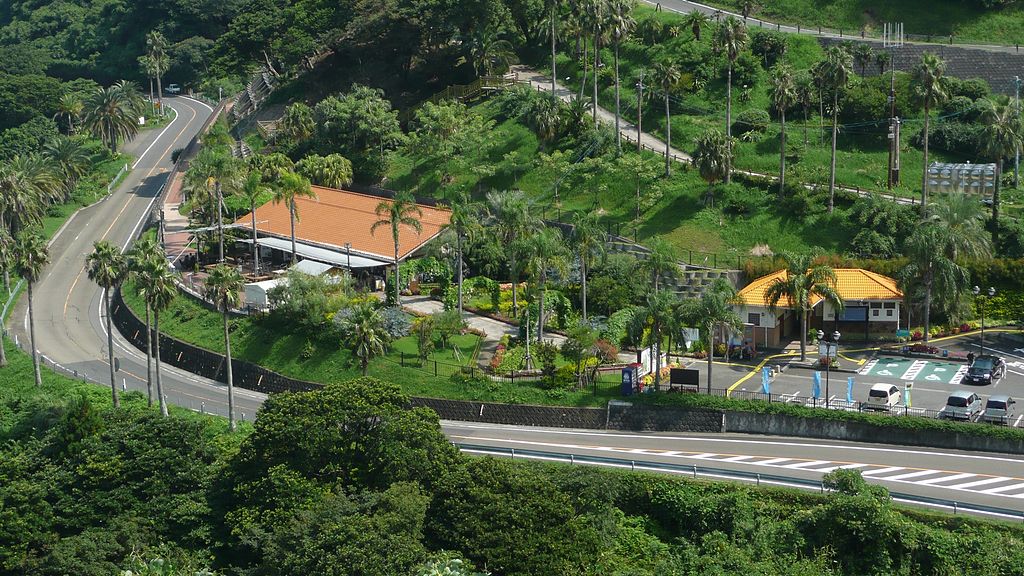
x=335 y=217
x=851 y=284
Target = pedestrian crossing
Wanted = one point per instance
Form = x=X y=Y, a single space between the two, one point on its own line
x=1003 y=486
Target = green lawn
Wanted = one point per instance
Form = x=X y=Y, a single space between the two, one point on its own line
x=283 y=352
x=965 y=19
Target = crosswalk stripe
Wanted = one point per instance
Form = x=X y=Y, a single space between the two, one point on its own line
x=931 y=481
x=736 y=458
x=843 y=467
x=979 y=482
x=881 y=471
x=1002 y=489
x=704 y=456
x=806 y=464
x=911 y=475
x=867 y=367
x=773 y=461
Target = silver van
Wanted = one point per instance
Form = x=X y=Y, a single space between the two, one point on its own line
x=999 y=410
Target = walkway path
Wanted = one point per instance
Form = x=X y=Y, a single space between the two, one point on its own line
x=629 y=132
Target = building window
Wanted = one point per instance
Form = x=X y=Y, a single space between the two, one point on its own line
x=874 y=312
x=889 y=305
x=754 y=318
x=876 y=304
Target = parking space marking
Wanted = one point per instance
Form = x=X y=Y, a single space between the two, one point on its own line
x=959 y=376
x=868 y=367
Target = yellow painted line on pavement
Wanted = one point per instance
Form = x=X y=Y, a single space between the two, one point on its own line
x=756 y=370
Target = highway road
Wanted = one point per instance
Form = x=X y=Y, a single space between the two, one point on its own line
x=70 y=329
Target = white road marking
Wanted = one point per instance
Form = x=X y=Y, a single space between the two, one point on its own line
x=952 y=478
x=736 y=458
x=801 y=465
x=960 y=372
x=704 y=456
x=979 y=483
x=914 y=370
x=909 y=475
x=1002 y=489
x=867 y=367
x=882 y=471
x=773 y=461
x=843 y=467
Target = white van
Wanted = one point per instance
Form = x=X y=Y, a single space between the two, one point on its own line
x=883 y=397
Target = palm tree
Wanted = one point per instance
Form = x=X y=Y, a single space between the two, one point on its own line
x=731 y=39
x=783 y=97
x=271 y=166
x=252 y=191
x=148 y=67
x=660 y=261
x=961 y=216
x=129 y=93
x=292 y=186
x=882 y=60
x=156 y=50
x=31 y=255
x=332 y=171
x=805 y=97
x=837 y=72
x=863 y=55
x=666 y=77
x=107 y=267
x=492 y=56
x=802 y=286
x=711 y=158
x=588 y=239
x=27 y=185
x=143 y=251
x=598 y=12
x=297 y=123
x=158 y=286
x=658 y=308
x=217 y=167
x=930 y=90
x=931 y=269
x=622 y=25
x=222 y=287
x=464 y=224
x=1000 y=138
x=509 y=218
x=69 y=107
x=545 y=251
x=110 y=116
x=695 y=20
x=7 y=261
x=70 y=160
x=747 y=7
x=366 y=337
x=552 y=28
x=713 y=310
x=402 y=211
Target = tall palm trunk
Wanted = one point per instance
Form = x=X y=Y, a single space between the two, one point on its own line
x=597 y=58
x=159 y=383
x=458 y=276
x=924 y=175
x=32 y=337
x=832 y=170
x=586 y=57
x=159 y=90
x=782 y=153
x=110 y=350
x=398 y=289
x=149 y=358
x=618 y=133
x=554 y=72
x=668 y=138
x=514 y=272
x=711 y=354
x=291 y=213
x=728 y=126
x=657 y=357
x=583 y=278
x=995 y=201
x=231 y=381
x=151 y=99
x=803 y=334
x=3 y=348
x=255 y=248
x=220 y=223
x=927 y=306
x=540 y=308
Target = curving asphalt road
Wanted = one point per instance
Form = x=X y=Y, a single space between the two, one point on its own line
x=70 y=329
x=71 y=334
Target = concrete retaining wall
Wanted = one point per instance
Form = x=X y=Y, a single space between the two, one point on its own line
x=850 y=431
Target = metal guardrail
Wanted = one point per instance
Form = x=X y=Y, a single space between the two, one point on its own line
x=696 y=471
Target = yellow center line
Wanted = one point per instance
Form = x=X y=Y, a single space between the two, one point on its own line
x=125 y=207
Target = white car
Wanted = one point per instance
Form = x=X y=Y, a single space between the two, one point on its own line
x=172 y=89
x=883 y=397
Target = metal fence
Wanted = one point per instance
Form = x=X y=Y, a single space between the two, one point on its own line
x=696 y=471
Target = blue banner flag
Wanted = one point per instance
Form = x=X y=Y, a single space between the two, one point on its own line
x=816 y=386
x=766 y=384
x=849 y=389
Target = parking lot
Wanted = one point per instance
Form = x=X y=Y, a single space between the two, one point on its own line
x=928 y=381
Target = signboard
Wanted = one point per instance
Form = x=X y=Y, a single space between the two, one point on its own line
x=827 y=349
x=629 y=378
x=854 y=314
x=903 y=333
x=684 y=377
x=647 y=361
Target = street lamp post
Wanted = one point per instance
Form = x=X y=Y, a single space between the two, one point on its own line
x=834 y=343
x=978 y=294
x=348 y=256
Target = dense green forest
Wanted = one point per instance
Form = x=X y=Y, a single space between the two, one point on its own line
x=346 y=480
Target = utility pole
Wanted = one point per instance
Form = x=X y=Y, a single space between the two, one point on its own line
x=1016 y=155
x=892 y=37
x=640 y=111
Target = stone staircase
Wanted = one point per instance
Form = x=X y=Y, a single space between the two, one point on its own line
x=259 y=87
